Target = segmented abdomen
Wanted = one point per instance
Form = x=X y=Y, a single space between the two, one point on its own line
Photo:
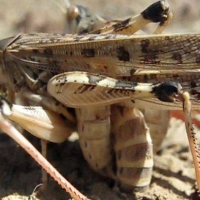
x=133 y=147
x=94 y=136
x=129 y=159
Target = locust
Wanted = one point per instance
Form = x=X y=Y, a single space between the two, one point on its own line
x=104 y=76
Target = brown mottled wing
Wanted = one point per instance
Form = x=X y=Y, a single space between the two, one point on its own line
x=114 y=55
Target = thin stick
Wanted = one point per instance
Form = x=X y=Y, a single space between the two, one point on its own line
x=8 y=128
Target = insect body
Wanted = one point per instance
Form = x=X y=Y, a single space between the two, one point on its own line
x=98 y=74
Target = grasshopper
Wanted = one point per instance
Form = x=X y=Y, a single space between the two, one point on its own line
x=97 y=74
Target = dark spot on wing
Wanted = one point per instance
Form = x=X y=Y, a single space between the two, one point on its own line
x=132 y=72
x=69 y=53
x=150 y=59
x=122 y=54
x=178 y=57
x=35 y=51
x=88 y=53
x=144 y=45
x=48 y=52
x=193 y=84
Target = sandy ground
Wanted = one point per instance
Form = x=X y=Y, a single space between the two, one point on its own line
x=173 y=176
